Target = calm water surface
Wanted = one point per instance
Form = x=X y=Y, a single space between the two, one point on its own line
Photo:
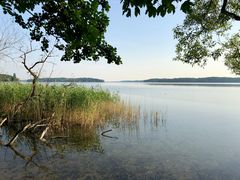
x=194 y=136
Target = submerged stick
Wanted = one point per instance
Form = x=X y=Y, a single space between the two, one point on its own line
x=24 y=157
x=104 y=132
x=19 y=154
x=17 y=134
x=59 y=137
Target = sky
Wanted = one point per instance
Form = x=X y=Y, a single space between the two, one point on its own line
x=146 y=46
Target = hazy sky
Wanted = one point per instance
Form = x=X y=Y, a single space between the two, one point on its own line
x=146 y=46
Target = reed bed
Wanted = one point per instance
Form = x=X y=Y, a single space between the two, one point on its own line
x=62 y=112
x=69 y=105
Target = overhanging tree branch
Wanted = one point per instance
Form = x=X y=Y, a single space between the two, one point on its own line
x=230 y=14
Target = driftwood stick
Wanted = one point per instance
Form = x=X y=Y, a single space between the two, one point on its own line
x=24 y=157
x=3 y=121
x=104 y=132
x=17 y=134
x=19 y=154
x=43 y=134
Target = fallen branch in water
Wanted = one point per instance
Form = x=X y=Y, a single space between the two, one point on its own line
x=20 y=154
x=43 y=134
x=46 y=129
x=104 y=132
x=29 y=159
x=3 y=121
x=17 y=134
x=33 y=126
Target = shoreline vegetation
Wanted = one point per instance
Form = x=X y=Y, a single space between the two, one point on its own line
x=57 y=108
x=77 y=104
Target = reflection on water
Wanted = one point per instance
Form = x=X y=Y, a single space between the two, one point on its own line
x=70 y=148
x=178 y=132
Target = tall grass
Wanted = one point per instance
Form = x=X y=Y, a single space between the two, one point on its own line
x=69 y=105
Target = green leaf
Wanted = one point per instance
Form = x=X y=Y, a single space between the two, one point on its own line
x=137 y=11
x=128 y=12
x=186 y=6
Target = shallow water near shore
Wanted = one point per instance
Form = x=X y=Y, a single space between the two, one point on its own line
x=183 y=132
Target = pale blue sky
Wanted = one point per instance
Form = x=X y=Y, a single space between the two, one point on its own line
x=146 y=46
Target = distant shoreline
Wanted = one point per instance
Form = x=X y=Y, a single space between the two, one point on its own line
x=62 y=79
x=227 y=84
x=172 y=81
x=191 y=80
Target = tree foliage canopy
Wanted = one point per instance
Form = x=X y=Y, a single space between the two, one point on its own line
x=79 y=27
x=207 y=33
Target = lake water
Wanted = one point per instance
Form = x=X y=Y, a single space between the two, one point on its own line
x=196 y=135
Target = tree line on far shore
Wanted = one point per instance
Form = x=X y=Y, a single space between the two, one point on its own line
x=62 y=79
x=8 y=78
